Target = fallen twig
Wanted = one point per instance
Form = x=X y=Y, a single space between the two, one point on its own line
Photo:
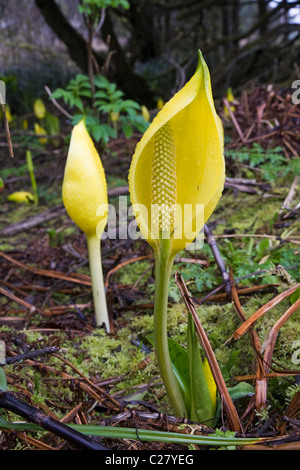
x=30 y=355
x=75 y=277
x=219 y=260
x=270 y=348
x=261 y=311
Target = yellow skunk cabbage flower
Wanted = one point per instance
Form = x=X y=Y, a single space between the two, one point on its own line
x=176 y=179
x=114 y=116
x=179 y=161
x=8 y=114
x=39 y=108
x=160 y=103
x=84 y=194
x=39 y=130
x=230 y=98
x=145 y=113
x=21 y=197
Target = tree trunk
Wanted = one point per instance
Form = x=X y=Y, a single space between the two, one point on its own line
x=134 y=86
x=75 y=43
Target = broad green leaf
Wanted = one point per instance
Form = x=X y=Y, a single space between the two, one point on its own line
x=179 y=360
x=241 y=390
x=202 y=408
x=180 y=364
x=263 y=246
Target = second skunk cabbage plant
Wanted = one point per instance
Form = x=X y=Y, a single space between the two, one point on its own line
x=84 y=194
x=39 y=108
x=176 y=179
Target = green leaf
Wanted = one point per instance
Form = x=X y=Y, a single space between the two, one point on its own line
x=202 y=408
x=127 y=129
x=100 y=81
x=101 y=94
x=3 y=381
x=97 y=132
x=179 y=360
x=130 y=104
x=295 y=296
x=52 y=123
x=263 y=246
x=180 y=364
x=114 y=432
x=241 y=390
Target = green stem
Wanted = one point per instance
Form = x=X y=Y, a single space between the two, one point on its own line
x=32 y=176
x=163 y=267
x=100 y=306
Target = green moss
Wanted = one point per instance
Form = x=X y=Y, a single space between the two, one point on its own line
x=131 y=273
x=246 y=211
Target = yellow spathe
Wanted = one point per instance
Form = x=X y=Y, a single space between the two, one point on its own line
x=200 y=167
x=84 y=188
x=21 y=197
x=39 y=130
x=39 y=108
x=210 y=382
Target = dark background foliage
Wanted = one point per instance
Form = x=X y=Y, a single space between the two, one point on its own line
x=150 y=49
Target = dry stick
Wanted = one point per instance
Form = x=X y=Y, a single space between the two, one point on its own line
x=36 y=416
x=61 y=109
x=219 y=260
x=232 y=416
x=119 y=266
x=33 y=221
x=258 y=235
x=13 y=297
x=259 y=386
x=232 y=116
x=76 y=278
x=30 y=440
x=269 y=375
x=31 y=355
x=290 y=195
x=261 y=311
x=271 y=345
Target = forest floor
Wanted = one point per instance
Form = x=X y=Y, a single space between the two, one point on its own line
x=89 y=377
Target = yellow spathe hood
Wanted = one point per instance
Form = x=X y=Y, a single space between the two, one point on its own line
x=200 y=167
x=84 y=189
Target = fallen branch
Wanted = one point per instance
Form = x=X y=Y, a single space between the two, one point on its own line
x=75 y=277
x=219 y=260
